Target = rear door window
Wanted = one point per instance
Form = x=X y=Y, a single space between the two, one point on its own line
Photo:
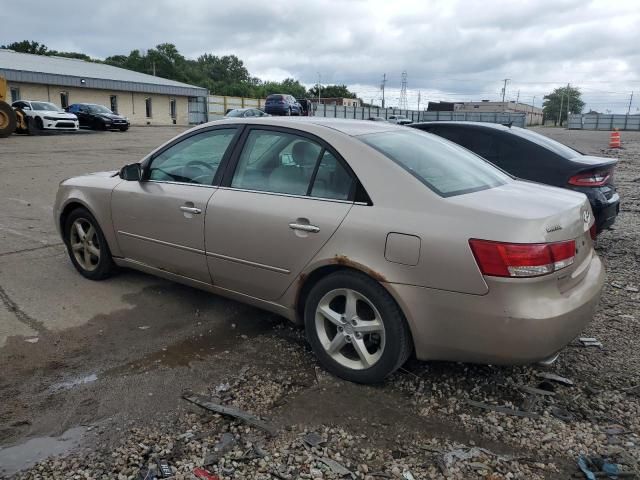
x=332 y=179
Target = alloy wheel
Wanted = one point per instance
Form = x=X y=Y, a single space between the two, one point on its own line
x=85 y=244
x=350 y=328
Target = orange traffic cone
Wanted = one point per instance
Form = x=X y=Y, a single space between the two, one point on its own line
x=614 y=139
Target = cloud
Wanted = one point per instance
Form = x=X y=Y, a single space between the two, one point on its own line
x=450 y=49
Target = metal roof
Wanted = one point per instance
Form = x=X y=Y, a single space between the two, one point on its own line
x=71 y=72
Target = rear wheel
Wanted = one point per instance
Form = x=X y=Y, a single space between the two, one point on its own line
x=288 y=113
x=355 y=328
x=8 y=120
x=86 y=245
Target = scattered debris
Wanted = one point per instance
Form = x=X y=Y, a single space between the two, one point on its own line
x=203 y=474
x=223 y=387
x=561 y=414
x=616 y=285
x=407 y=475
x=203 y=402
x=226 y=443
x=144 y=327
x=313 y=439
x=164 y=470
x=555 y=378
x=336 y=467
x=631 y=288
x=505 y=410
x=594 y=467
x=32 y=340
x=590 y=342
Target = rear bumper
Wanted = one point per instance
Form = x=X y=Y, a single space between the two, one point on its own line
x=276 y=110
x=517 y=322
x=605 y=213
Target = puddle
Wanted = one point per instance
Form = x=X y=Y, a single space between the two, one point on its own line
x=73 y=382
x=191 y=349
x=27 y=454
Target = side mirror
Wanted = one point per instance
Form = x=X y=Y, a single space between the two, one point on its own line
x=131 y=172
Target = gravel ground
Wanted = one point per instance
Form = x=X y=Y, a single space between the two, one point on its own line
x=420 y=424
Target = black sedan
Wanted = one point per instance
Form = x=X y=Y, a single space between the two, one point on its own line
x=98 y=117
x=530 y=156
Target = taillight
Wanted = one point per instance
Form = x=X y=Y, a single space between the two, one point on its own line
x=593 y=178
x=500 y=259
x=593 y=231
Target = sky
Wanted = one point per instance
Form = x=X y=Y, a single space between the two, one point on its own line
x=451 y=50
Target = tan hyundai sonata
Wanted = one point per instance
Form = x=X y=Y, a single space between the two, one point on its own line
x=380 y=240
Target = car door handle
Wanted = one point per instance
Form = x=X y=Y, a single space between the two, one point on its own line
x=194 y=210
x=304 y=227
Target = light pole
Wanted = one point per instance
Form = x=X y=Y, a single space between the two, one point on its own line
x=318 y=88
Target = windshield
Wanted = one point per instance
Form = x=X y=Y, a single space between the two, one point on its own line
x=546 y=142
x=235 y=113
x=441 y=165
x=45 y=106
x=99 y=109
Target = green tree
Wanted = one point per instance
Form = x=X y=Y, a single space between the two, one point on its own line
x=565 y=98
x=332 y=91
x=27 y=46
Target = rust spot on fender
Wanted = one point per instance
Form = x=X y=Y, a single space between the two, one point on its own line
x=346 y=261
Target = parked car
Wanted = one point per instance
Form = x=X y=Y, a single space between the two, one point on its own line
x=307 y=107
x=98 y=117
x=281 y=104
x=46 y=115
x=399 y=119
x=246 y=112
x=528 y=155
x=458 y=261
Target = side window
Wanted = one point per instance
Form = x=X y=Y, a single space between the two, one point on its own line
x=193 y=160
x=332 y=180
x=276 y=162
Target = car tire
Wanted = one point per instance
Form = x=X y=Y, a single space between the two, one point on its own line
x=38 y=124
x=385 y=349
x=92 y=258
x=124 y=129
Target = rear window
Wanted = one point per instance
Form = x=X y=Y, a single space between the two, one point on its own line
x=274 y=97
x=546 y=142
x=443 y=166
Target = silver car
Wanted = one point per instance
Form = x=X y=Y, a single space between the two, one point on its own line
x=380 y=240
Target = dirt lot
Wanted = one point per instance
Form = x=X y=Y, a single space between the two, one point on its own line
x=97 y=370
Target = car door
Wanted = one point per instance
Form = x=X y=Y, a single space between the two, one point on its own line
x=159 y=221
x=285 y=195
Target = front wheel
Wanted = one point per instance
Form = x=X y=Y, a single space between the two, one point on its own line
x=124 y=129
x=355 y=328
x=86 y=245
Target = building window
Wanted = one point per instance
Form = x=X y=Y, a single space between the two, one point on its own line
x=172 y=107
x=15 y=94
x=113 y=100
x=147 y=105
x=64 y=99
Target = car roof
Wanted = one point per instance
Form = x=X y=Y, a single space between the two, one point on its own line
x=346 y=126
x=493 y=126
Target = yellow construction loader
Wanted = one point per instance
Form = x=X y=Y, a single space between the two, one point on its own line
x=10 y=119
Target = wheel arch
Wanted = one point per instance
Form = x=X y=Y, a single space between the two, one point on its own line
x=69 y=207
x=307 y=280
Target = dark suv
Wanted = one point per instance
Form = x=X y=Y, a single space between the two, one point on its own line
x=530 y=156
x=98 y=117
x=282 y=104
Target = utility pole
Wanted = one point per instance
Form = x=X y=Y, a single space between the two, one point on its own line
x=630 y=100
x=318 y=88
x=384 y=81
x=419 y=101
x=560 y=111
x=504 y=89
x=517 y=99
x=568 y=98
